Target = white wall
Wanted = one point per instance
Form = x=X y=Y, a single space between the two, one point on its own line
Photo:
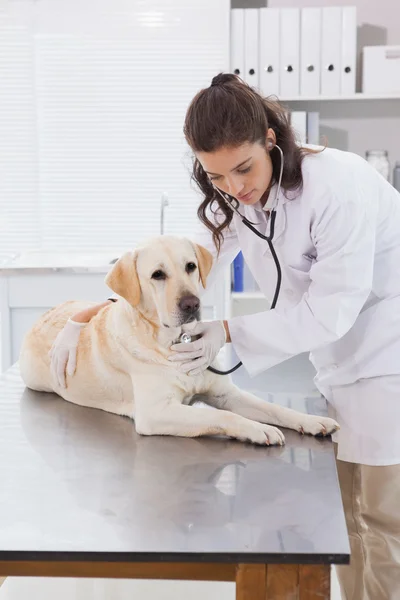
x=93 y=97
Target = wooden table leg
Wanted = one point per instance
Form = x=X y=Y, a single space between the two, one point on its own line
x=315 y=582
x=251 y=582
x=2 y=580
x=282 y=582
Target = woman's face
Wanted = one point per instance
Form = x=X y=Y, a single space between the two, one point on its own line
x=244 y=172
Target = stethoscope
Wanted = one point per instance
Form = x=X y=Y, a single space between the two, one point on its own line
x=233 y=203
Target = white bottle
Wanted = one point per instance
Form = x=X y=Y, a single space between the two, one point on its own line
x=379 y=160
x=396 y=176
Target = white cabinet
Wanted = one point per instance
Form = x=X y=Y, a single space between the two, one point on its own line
x=246 y=303
x=35 y=282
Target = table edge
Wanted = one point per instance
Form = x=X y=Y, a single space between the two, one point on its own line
x=178 y=557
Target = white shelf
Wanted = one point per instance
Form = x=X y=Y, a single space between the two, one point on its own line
x=247 y=296
x=358 y=96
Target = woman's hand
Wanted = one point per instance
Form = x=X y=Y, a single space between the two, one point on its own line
x=196 y=357
x=63 y=351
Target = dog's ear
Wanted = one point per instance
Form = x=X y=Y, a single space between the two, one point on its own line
x=205 y=260
x=123 y=278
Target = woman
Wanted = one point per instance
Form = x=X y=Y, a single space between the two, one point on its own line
x=337 y=236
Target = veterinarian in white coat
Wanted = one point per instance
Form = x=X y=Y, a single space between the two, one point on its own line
x=337 y=237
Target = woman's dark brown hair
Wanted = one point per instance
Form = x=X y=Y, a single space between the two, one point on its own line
x=230 y=113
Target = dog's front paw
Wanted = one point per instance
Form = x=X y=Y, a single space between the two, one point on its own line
x=259 y=433
x=319 y=426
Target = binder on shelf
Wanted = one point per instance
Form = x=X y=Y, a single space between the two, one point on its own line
x=249 y=283
x=289 y=52
x=237 y=276
x=237 y=42
x=331 y=33
x=298 y=121
x=251 y=41
x=313 y=128
x=242 y=277
x=310 y=51
x=269 y=51
x=349 y=51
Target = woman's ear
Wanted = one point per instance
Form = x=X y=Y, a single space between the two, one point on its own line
x=271 y=139
x=123 y=278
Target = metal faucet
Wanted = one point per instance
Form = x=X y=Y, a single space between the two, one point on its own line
x=164 y=203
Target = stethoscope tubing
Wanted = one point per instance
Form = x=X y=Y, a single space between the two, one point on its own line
x=233 y=203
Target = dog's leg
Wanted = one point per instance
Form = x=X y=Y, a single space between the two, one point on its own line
x=156 y=413
x=227 y=396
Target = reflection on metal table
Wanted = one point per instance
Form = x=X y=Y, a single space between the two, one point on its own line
x=83 y=495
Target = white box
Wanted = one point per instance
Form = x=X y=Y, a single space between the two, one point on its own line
x=349 y=51
x=310 y=52
x=290 y=52
x=381 y=69
x=331 y=50
x=269 y=58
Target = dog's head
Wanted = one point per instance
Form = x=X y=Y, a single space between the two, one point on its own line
x=162 y=278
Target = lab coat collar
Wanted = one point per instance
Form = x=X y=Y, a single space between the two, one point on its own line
x=273 y=202
x=254 y=212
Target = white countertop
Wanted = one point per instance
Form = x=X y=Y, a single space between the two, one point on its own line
x=66 y=262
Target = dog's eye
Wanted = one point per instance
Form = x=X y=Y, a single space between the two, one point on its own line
x=159 y=275
x=190 y=267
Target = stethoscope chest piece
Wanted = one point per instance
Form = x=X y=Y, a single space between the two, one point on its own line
x=185 y=338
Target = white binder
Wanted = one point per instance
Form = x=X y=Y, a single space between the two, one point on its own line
x=349 y=51
x=310 y=51
x=237 y=42
x=269 y=51
x=251 y=70
x=313 y=136
x=331 y=50
x=298 y=121
x=289 y=51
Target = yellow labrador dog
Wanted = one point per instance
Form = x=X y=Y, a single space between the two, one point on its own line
x=122 y=358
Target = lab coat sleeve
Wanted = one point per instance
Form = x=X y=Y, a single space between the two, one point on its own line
x=343 y=232
x=229 y=248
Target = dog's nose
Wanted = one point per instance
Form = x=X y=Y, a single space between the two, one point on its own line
x=189 y=304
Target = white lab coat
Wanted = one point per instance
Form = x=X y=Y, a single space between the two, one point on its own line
x=338 y=243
